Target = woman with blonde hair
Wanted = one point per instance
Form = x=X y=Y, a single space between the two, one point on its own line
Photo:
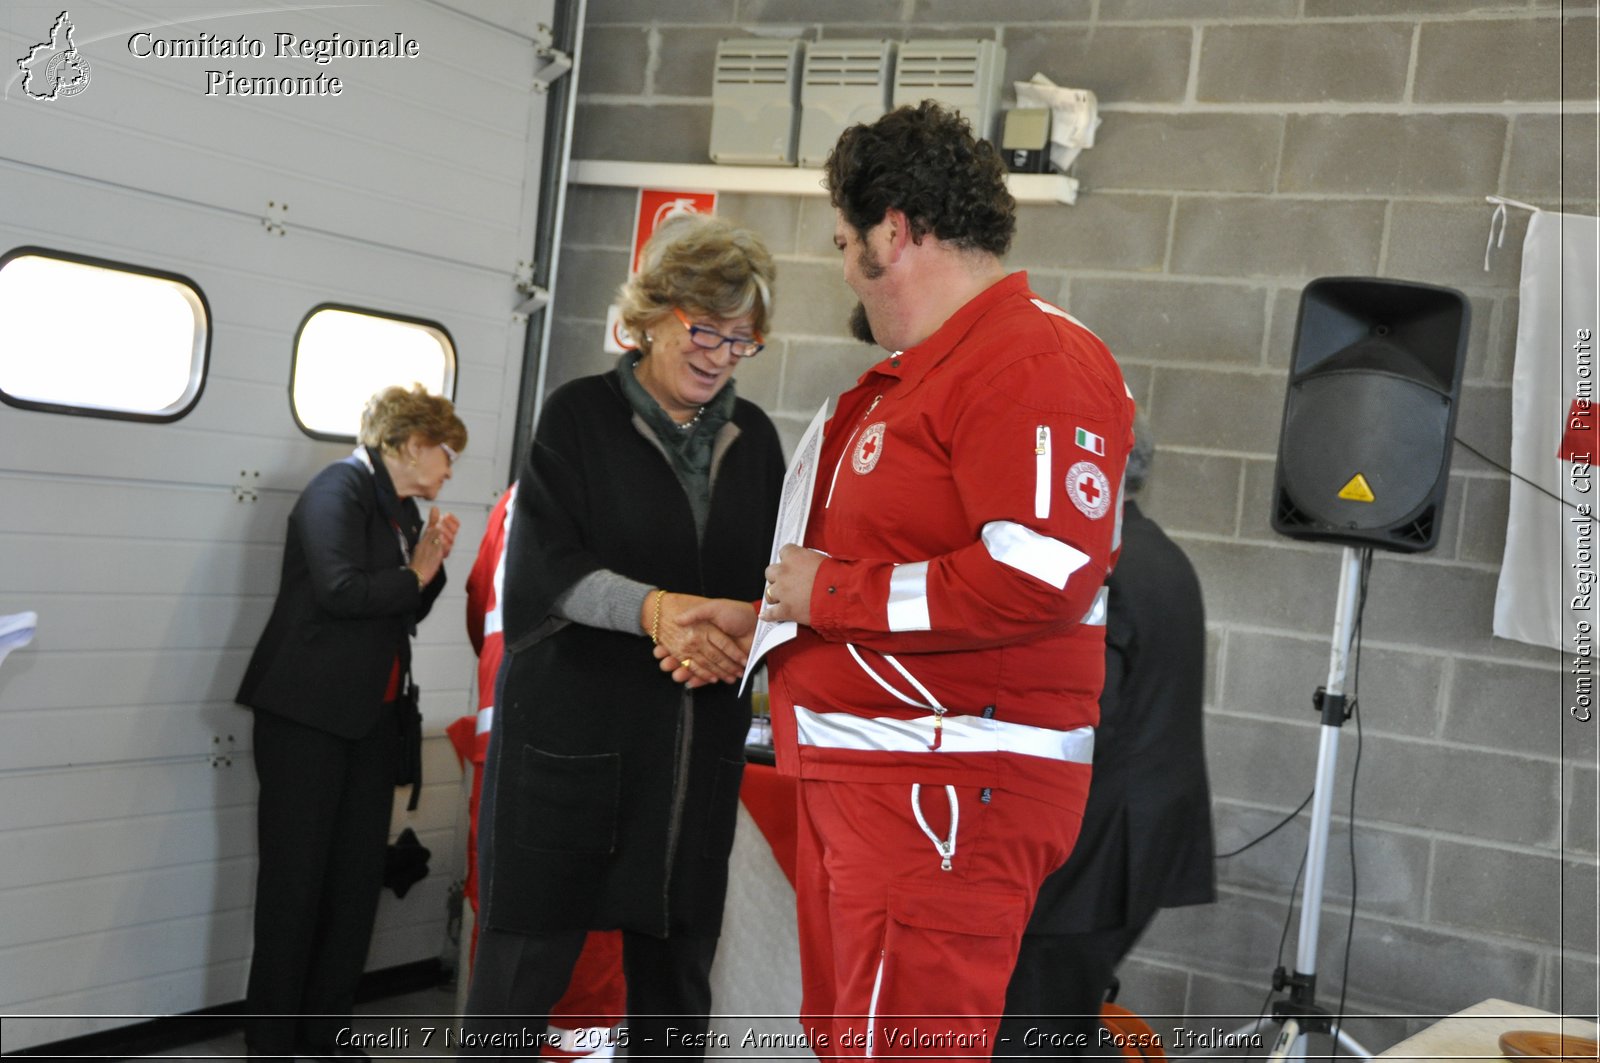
x=360 y=569
x=611 y=792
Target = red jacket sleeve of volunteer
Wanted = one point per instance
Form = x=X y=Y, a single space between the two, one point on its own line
x=1036 y=453
x=480 y=583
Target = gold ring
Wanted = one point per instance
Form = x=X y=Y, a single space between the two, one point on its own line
x=437 y=540
x=685 y=662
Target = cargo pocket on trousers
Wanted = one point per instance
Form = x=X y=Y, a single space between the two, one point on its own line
x=568 y=804
x=969 y=937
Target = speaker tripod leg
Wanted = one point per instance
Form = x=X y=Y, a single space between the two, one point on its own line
x=1234 y=1041
x=1292 y=1037
x=1350 y=1044
x=1289 y=1043
x=1289 y=1038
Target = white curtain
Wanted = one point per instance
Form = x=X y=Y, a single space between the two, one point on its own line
x=1549 y=563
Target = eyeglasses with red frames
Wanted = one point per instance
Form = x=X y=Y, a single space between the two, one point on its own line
x=709 y=339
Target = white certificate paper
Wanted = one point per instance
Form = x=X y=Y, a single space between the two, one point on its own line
x=794 y=509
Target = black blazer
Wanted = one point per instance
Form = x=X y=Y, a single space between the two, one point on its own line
x=346 y=603
x=1146 y=839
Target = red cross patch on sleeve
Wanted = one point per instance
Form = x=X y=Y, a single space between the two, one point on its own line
x=1089 y=489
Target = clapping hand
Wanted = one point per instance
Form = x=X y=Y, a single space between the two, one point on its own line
x=434 y=544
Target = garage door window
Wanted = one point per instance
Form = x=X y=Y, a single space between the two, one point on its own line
x=86 y=336
x=343 y=355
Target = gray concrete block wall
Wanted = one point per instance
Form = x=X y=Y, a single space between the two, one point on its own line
x=1247 y=147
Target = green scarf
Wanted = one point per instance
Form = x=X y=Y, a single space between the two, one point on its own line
x=688 y=447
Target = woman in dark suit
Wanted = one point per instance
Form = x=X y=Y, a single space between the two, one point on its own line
x=359 y=571
x=610 y=792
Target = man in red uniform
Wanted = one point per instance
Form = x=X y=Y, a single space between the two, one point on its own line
x=581 y=1022
x=939 y=702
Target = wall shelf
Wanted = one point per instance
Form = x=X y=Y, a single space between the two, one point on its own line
x=774 y=180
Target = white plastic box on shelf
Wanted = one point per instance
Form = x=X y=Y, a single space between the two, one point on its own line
x=966 y=76
x=755 y=102
x=842 y=83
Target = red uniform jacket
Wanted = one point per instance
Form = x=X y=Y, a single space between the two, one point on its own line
x=968 y=499
x=485 y=619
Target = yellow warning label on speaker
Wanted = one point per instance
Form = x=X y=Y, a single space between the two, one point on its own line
x=1357 y=490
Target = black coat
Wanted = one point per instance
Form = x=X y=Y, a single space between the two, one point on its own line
x=611 y=792
x=1146 y=839
x=345 y=606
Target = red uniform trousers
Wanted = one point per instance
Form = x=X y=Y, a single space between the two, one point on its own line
x=899 y=957
x=595 y=1001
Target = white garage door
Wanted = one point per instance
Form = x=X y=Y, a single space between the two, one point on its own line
x=150 y=549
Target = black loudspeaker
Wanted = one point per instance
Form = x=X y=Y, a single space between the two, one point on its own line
x=1364 y=455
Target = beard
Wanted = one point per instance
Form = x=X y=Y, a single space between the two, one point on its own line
x=860 y=327
x=872 y=269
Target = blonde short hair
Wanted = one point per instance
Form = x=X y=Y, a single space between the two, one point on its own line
x=703 y=264
x=395 y=414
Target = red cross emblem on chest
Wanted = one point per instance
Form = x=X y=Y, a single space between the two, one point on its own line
x=868 y=449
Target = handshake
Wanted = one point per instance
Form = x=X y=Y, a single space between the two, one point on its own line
x=707 y=640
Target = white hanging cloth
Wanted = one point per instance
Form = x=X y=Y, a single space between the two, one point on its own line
x=1547 y=590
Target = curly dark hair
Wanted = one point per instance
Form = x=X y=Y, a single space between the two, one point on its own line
x=925 y=161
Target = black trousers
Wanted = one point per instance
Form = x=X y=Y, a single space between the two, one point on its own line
x=517 y=979
x=322 y=831
x=1060 y=981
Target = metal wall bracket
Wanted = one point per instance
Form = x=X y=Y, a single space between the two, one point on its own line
x=537 y=299
x=557 y=64
x=534 y=298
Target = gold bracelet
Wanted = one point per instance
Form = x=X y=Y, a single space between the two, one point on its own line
x=655 y=623
x=421 y=583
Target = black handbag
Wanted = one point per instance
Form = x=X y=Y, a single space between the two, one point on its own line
x=408 y=728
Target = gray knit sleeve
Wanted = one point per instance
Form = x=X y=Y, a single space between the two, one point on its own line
x=604 y=599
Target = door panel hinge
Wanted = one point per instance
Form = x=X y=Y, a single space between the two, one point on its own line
x=556 y=64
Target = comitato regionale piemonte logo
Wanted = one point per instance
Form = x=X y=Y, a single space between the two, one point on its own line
x=55 y=68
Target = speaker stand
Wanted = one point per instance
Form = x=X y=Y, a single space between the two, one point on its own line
x=1300 y=1016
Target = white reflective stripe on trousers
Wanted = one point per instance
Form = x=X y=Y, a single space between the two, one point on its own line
x=587 y=1042
x=962 y=734
x=872 y=1005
